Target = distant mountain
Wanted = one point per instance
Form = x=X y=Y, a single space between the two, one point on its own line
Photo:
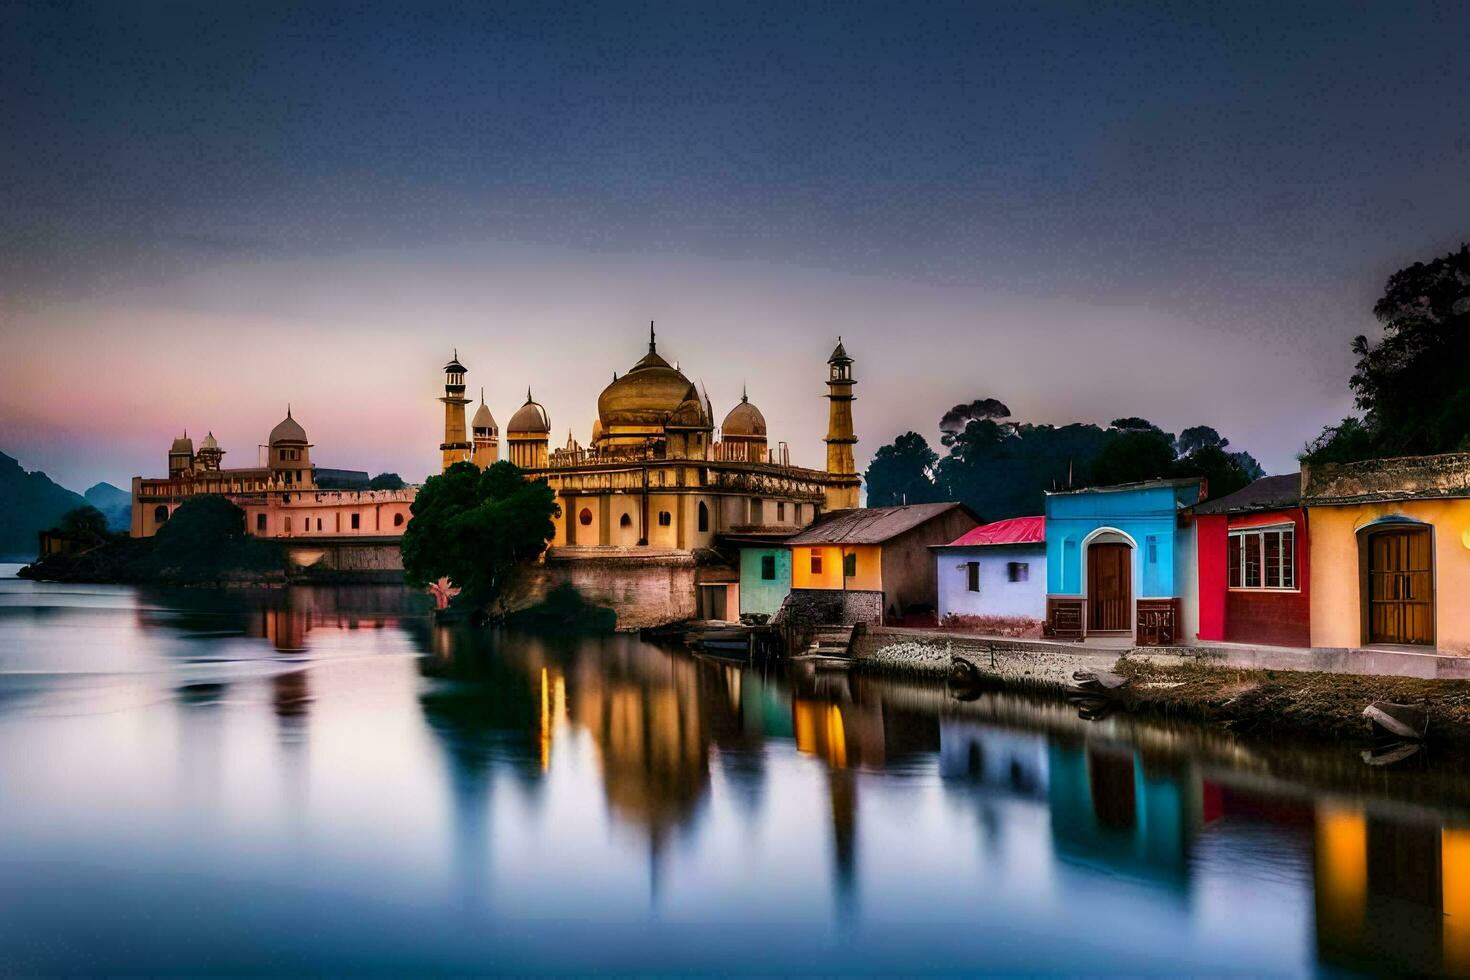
x=29 y=502
x=116 y=505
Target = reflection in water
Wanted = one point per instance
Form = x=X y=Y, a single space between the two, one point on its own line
x=475 y=801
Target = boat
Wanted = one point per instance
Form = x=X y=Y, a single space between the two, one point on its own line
x=1398 y=721
x=1097 y=684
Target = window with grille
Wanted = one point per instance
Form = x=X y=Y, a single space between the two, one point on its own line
x=972 y=575
x=1262 y=558
x=816 y=563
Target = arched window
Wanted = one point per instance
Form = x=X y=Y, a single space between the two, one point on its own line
x=703 y=516
x=585 y=517
x=160 y=514
x=397 y=520
x=625 y=521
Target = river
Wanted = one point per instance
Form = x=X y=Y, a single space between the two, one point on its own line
x=322 y=780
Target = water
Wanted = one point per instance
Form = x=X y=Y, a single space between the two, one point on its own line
x=322 y=780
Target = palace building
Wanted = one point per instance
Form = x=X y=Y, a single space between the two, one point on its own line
x=659 y=485
x=286 y=496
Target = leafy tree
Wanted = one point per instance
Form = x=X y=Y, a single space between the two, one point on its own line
x=473 y=527
x=1133 y=454
x=902 y=472
x=1223 y=474
x=1197 y=437
x=84 y=524
x=955 y=421
x=386 y=481
x=1412 y=385
x=205 y=540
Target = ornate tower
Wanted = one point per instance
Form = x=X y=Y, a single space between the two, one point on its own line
x=456 y=446
x=487 y=435
x=210 y=455
x=528 y=435
x=843 y=481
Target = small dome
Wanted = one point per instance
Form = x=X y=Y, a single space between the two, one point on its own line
x=529 y=418
x=744 y=420
x=839 y=354
x=454 y=367
x=209 y=442
x=183 y=444
x=483 y=419
x=287 y=430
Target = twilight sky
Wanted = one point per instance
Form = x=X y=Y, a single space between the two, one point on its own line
x=1086 y=210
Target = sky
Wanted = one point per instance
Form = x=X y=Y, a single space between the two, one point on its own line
x=1176 y=211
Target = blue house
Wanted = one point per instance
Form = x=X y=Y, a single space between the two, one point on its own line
x=1120 y=562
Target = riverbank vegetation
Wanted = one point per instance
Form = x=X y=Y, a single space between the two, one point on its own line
x=203 y=543
x=473 y=527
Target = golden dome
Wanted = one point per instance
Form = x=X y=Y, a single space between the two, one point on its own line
x=529 y=418
x=744 y=420
x=646 y=396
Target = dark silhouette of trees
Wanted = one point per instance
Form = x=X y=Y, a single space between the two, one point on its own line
x=84 y=524
x=473 y=527
x=386 y=481
x=902 y=472
x=1412 y=386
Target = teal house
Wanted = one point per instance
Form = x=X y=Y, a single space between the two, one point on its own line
x=765 y=577
x=1120 y=562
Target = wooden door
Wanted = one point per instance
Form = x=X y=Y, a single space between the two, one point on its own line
x=1109 y=587
x=1400 y=587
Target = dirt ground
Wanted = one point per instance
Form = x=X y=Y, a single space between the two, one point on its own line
x=1298 y=703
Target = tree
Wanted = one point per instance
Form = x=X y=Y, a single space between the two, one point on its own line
x=1222 y=473
x=1411 y=386
x=955 y=421
x=386 y=481
x=203 y=541
x=87 y=524
x=1133 y=454
x=473 y=527
x=902 y=472
x=1198 y=437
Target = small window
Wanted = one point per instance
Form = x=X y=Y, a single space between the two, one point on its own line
x=665 y=518
x=849 y=565
x=318 y=523
x=768 y=568
x=397 y=520
x=356 y=521
x=1153 y=550
x=972 y=575
x=757 y=512
x=816 y=563
x=288 y=523
x=585 y=517
x=703 y=516
x=260 y=523
x=1264 y=559
x=1018 y=571
x=625 y=521
x=780 y=510
x=160 y=514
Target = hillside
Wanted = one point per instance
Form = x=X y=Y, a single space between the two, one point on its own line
x=29 y=502
x=116 y=505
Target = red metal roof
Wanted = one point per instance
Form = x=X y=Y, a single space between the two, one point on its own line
x=1016 y=530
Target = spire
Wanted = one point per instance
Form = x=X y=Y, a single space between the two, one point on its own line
x=743 y=395
x=528 y=394
x=652 y=344
x=288 y=410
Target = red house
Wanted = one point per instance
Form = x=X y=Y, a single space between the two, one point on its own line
x=1253 y=556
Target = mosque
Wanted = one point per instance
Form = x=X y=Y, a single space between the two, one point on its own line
x=658 y=485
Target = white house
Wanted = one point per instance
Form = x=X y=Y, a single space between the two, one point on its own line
x=995 y=570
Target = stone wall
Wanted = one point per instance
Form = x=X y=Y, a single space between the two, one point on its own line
x=831 y=607
x=643 y=590
x=1446 y=475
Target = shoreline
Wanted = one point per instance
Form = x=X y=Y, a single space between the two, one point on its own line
x=1174 y=684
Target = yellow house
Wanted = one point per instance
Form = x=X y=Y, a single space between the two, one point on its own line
x=1390 y=552
x=877 y=557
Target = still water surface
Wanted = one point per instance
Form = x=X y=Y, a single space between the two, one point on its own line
x=322 y=780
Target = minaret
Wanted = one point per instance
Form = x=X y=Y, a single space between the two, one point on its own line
x=456 y=447
x=487 y=435
x=842 y=478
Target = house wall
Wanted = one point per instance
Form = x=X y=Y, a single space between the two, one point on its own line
x=758 y=595
x=1212 y=553
x=869 y=577
x=1145 y=514
x=998 y=596
x=909 y=578
x=1335 y=600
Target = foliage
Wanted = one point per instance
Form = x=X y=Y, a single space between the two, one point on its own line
x=386 y=481
x=902 y=472
x=564 y=611
x=1002 y=468
x=205 y=540
x=473 y=527
x=86 y=524
x=1412 y=385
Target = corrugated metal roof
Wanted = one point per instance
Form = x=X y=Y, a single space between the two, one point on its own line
x=871 y=525
x=1267 y=493
x=1015 y=530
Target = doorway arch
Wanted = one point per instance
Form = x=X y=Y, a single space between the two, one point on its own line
x=1107 y=581
x=1396 y=582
